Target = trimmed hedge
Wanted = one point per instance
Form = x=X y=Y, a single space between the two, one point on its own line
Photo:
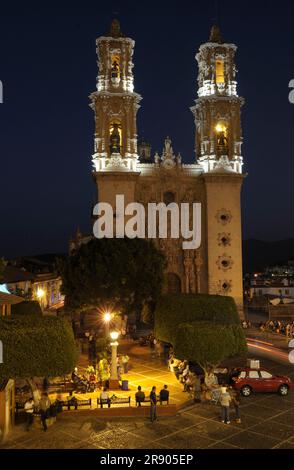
x=27 y=307
x=208 y=345
x=36 y=347
x=174 y=309
x=202 y=328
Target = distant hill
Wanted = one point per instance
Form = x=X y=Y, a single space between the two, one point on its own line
x=258 y=254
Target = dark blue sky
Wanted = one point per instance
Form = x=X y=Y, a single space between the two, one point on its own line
x=48 y=69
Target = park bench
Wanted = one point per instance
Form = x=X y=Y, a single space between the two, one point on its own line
x=114 y=401
x=19 y=407
x=147 y=400
x=75 y=404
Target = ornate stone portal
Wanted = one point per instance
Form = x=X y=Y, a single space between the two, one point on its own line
x=214 y=180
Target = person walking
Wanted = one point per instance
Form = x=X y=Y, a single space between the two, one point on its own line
x=153 y=405
x=45 y=404
x=225 y=400
x=125 y=363
x=29 y=410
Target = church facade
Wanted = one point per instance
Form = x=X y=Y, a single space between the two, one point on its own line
x=214 y=180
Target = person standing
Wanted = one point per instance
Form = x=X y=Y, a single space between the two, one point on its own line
x=45 y=404
x=197 y=389
x=236 y=400
x=125 y=363
x=153 y=405
x=29 y=410
x=225 y=400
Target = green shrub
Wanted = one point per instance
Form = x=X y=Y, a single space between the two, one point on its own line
x=202 y=328
x=27 y=308
x=208 y=344
x=36 y=347
x=171 y=310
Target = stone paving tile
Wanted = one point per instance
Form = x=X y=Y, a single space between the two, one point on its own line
x=118 y=440
x=249 y=421
x=258 y=410
x=250 y=440
x=154 y=430
x=55 y=441
x=274 y=429
x=187 y=420
x=276 y=402
x=214 y=430
x=287 y=417
x=206 y=411
x=153 y=445
x=222 y=446
x=186 y=440
x=285 y=445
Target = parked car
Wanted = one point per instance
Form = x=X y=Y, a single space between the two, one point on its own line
x=248 y=380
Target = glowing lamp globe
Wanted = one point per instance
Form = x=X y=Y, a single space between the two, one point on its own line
x=107 y=317
x=114 y=335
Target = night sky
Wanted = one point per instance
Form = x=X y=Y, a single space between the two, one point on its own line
x=48 y=69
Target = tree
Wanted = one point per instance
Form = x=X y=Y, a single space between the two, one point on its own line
x=202 y=328
x=36 y=347
x=2 y=269
x=121 y=272
x=208 y=344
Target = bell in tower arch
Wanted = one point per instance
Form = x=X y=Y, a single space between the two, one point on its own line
x=115 y=139
x=222 y=140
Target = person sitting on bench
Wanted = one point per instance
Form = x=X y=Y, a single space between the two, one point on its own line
x=140 y=396
x=104 y=398
x=164 y=395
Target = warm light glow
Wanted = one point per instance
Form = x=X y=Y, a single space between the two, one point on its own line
x=220 y=71
x=40 y=293
x=220 y=128
x=114 y=335
x=107 y=317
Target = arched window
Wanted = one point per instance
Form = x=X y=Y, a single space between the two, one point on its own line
x=219 y=71
x=115 y=138
x=115 y=68
x=173 y=284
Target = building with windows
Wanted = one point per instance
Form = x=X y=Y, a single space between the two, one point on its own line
x=123 y=166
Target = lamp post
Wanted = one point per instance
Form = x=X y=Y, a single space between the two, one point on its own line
x=113 y=381
x=107 y=318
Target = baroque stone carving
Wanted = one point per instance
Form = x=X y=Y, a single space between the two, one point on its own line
x=224 y=216
x=225 y=262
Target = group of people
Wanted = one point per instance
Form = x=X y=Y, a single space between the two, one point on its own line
x=154 y=399
x=190 y=380
x=206 y=386
x=246 y=324
x=43 y=408
x=279 y=327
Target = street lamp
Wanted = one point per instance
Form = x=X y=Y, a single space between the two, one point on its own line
x=113 y=381
x=40 y=295
x=107 y=318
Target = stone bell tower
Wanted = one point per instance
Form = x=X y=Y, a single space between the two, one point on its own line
x=115 y=103
x=218 y=107
x=218 y=139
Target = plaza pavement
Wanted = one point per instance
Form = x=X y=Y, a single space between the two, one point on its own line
x=267 y=421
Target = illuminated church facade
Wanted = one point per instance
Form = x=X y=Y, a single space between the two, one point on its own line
x=122 y=167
